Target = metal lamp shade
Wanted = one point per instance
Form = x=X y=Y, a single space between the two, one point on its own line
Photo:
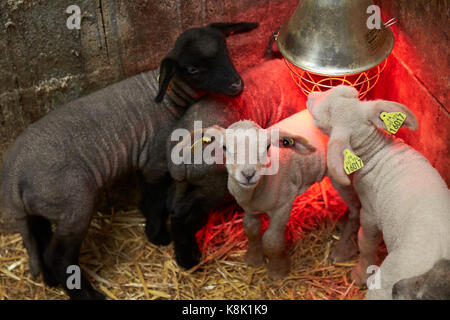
x=331 y=37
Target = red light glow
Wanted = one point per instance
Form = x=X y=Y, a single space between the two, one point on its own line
x=309 y=82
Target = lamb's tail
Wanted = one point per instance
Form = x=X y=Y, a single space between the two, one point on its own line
x=11 y=203
x=15 y=215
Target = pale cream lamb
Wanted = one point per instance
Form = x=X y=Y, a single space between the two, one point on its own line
x=300 y=165
x=402 y=196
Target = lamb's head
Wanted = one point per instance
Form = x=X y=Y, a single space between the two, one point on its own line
x=247 y=149
x=200 y=57
x=339 y=114
x=335 y=108
x=248 y=152
x=432 y=285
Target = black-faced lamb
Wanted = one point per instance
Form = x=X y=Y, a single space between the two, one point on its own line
x=56 y=166
x=432 y=285
x=402 y=196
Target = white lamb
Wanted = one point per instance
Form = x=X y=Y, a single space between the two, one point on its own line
x=402 y=196
x=300 y=165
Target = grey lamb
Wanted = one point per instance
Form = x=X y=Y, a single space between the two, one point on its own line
x=56 y=166
x=402 y=196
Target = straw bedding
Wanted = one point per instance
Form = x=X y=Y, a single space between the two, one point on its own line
x=120 y=261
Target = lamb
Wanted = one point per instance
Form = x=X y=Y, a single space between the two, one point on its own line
x=274 y=194
x=402 y=196
x=258 y=189
x=57 y=165
x=432 y=285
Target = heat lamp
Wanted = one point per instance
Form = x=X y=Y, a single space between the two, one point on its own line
x=327 y=43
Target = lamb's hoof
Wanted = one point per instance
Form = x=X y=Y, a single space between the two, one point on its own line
x=160 y=237
x=49 y=279
x=344 y=251
x=358 y=276
x=278 y=268
x=254 y=259
x=88 y=294
x=277 y=274
x=188 y=259
x=35 y=269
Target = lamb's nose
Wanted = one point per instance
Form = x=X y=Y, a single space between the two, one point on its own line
x=248 y=174
x=236 y=86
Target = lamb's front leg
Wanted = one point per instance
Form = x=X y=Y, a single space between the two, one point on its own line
x=274 y=244
x=368 y=240
x=154 y=209
x=347 y=246
x=252 y=228
x=185 y=213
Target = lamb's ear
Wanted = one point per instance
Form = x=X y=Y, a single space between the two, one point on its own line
x=290 y=140
x=214 y=131
x=167 y=70
x=230 y=28
x=335 y=160
x=380 y=106
x=198 y=136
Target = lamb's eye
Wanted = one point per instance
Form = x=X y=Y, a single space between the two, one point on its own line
x=288 y=142
x=192 y=70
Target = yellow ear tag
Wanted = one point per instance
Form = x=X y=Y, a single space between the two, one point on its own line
x=393 y=120
x=352 y=162
x=200 y=141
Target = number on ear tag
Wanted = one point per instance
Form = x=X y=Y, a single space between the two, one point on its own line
x=352 y=162
x=393 y=120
